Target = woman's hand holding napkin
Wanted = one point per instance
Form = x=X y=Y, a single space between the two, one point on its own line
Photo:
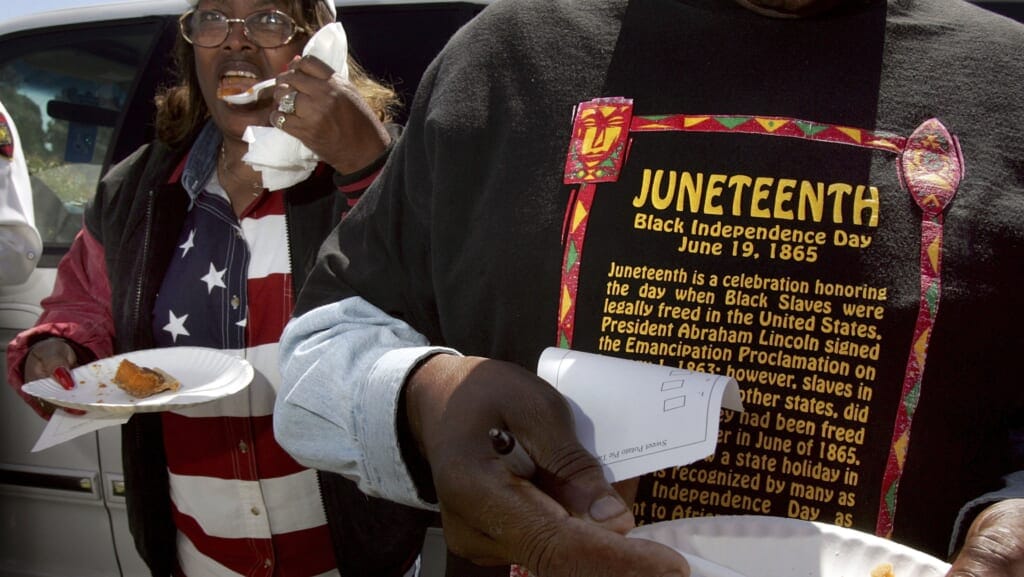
x=281 y=158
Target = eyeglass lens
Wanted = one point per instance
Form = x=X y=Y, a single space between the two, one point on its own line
x=209 y=28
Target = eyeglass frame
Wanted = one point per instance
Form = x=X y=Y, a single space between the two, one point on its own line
x=245 y=29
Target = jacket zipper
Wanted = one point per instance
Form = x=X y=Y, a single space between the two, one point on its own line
x=288 y=219
x=137 y=309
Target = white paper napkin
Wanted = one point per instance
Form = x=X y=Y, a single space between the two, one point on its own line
x=63 y=426
x=282 y=159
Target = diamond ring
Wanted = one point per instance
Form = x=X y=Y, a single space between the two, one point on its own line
x=287 y=104
x=279 y=121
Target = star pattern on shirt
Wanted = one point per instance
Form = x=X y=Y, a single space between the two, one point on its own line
x=214 y=278
x=176 y=326
x=210 y=256
x=188 y=244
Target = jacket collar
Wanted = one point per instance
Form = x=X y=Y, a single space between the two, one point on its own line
x=202 y=160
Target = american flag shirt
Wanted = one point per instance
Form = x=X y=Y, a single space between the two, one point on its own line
x=242 y=506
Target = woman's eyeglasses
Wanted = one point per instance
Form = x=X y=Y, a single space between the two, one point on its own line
x=209 y=28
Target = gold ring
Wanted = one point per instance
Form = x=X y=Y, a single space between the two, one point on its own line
x=287 y=104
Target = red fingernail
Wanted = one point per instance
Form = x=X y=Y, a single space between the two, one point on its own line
x=63 y=376
x=74 y=411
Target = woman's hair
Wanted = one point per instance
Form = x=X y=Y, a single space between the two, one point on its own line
x=181 y=110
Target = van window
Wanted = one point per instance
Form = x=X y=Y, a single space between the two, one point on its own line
x=66 y=91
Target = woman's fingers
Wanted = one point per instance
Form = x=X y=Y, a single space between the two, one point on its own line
x=46 y=356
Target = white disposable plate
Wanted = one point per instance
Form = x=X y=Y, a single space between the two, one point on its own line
x=758 y=546
x=205 y=375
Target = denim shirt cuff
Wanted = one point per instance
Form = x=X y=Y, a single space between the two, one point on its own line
x=380 y=441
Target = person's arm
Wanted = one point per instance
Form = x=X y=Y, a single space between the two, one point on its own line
x=342 y=367
x=77 y=313
x=20 y=244
x=20 y=249
x=345 y=366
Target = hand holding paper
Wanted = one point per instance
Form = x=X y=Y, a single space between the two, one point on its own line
x=634 y=417
x=490 y=512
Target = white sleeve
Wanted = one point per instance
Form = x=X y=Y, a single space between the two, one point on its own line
x=343 y=366
x=20 y=244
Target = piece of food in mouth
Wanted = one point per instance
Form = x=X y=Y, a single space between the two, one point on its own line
x=235 y=82
x=229 y=91
x=143 y=382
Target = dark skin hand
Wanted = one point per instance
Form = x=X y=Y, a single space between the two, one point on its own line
x=329 y=112
x=994 y=546
x=566 y=521
x=46 y=356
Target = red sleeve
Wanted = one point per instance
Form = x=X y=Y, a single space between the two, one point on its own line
x=354 y=189
x=78 y=309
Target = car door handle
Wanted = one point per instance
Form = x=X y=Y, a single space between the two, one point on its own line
x=117 y=487
x=71 y=482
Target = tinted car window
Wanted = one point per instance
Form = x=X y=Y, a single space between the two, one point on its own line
x=67 y=93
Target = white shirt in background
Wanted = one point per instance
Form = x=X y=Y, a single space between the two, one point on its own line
x=20 y=244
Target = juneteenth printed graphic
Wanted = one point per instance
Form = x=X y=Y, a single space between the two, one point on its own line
x=807 y=349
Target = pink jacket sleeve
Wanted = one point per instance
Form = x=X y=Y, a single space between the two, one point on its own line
x=78 y=310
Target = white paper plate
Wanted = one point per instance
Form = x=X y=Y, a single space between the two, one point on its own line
x=759 y=546
x=205 y=375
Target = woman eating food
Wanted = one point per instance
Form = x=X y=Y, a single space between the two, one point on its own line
x=184 y=246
